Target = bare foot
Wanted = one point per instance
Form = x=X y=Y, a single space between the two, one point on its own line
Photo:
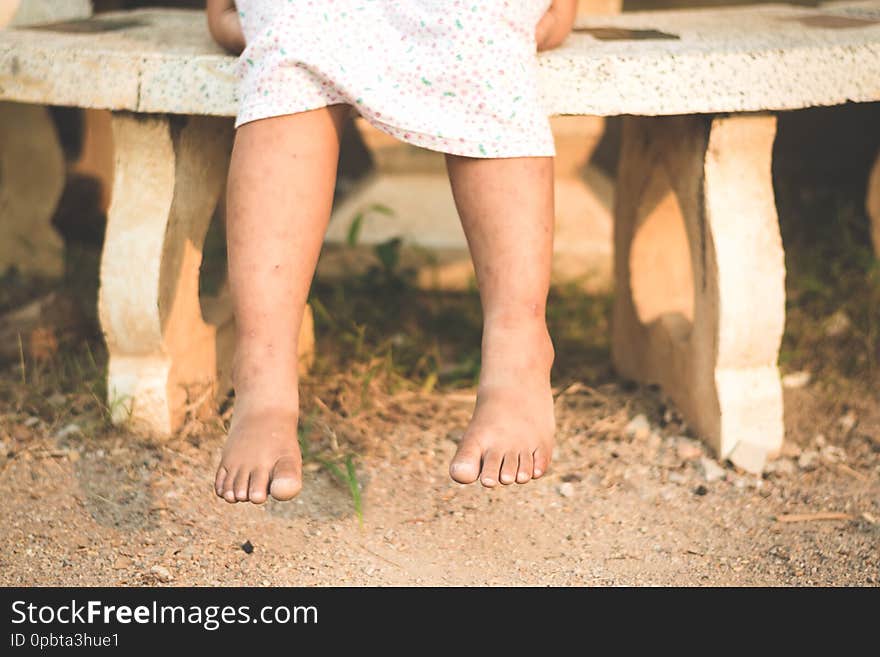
x=261 y=456
x=510 y=437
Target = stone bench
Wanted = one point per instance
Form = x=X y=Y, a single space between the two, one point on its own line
x=698 y=263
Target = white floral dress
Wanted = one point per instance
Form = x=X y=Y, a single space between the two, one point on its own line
x=454 y=76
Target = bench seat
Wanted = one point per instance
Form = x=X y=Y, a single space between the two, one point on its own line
x=740 y=59
x=698 y=260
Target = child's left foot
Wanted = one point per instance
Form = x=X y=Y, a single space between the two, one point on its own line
x=510 y=437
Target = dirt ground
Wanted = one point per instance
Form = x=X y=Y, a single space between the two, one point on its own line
x=631 y=499
x=615 y=510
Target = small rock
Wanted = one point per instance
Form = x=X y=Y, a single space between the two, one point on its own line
x=32 y=421
x=711 y=470
x=781 y=467
x=57 y=399
x=638 y=428
x=161 y=573
x=566 y=489
x=68 y=430
x=248 y=547
x=73 y=456
x=833 y=454
x=837 y=324
x=749 y=457
x=122 y=562
x=688 y=450
x=676 y=478
x=819 y=440
x=808 y=460
x=21 y=432
x=700 y=490
x=848 y=421
x=796 y=379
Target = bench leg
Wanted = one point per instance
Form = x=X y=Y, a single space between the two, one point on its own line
x=168 y=350
x=31 y=182
x=700 y=275
x=873 y=205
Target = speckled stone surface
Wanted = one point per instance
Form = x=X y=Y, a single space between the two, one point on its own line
x=653 y=63
x=771 y=57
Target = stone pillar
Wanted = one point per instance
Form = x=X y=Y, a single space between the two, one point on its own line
x=599 y=6
x=33 y=12
x=700 y=275
x=873 y=205
x=31 y=182
x=31 y=160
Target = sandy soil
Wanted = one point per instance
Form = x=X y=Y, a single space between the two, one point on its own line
x=616 y=509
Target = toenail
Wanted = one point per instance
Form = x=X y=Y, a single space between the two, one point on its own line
x=538 y=472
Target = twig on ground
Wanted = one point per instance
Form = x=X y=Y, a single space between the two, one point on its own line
x=843 y=467
x=812 y=517
x=379 y=556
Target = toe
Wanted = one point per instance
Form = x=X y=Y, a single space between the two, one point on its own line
x=286 y=479
x=219 y=479
x=509 y=468
x=542 y=462
x=465 y=466
x=259 y=487
x=526 y=467
x=240 y=487
x=228 y=487
x=491 y=468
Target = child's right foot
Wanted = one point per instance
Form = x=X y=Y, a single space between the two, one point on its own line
x=510 y=437
x=261 y=456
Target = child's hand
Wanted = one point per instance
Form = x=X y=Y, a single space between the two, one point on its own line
x=225 y=26
x=555 y=26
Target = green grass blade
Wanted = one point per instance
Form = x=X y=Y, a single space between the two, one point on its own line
x=354 y=230
x=355 y=488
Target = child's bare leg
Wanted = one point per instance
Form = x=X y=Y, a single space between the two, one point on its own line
x=506 y=208
x=280 y=192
